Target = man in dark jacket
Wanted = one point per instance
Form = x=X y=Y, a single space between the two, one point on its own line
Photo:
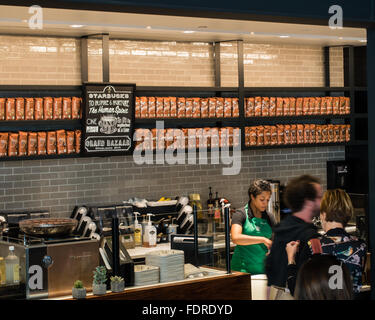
x=302 y=196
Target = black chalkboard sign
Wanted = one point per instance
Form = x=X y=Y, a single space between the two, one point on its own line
x=108 y=119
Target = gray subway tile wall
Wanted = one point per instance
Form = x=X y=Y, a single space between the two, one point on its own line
x=58 y=185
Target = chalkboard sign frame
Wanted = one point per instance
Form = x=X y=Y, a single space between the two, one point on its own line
x=89 y=86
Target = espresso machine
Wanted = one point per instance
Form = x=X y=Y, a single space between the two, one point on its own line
x=339 y=175
x=51 y=256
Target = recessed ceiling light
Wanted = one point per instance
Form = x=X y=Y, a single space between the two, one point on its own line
x=76 y=25
x=284 y=36
x=340 y=38
x=189 y=31
x=362 y=40
x=148 y=27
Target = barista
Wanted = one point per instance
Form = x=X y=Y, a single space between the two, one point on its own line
x=251 y=230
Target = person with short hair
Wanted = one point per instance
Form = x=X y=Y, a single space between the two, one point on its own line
x=323 y=277
x=302 y=195
x=251 y=230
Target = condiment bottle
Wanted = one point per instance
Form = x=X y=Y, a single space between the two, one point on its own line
x=137 y=231
x=150 y=237
x=143 y=224
x=210 y=205
x=2 y=271
x=12 y=267
x=217 y=214
x=172 y=229
x=195 y=199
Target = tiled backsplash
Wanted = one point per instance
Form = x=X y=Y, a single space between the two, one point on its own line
x=56 y=61
x=39 y=61
x=58 y=185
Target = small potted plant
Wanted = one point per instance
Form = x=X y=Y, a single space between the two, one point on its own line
x=99 y=286
x=117 y=284
x=78 y=291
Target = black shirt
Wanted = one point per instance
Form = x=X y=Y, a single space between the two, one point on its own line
x=290 y=228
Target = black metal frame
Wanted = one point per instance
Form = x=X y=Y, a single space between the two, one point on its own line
x=371 y=150
x=84 y=60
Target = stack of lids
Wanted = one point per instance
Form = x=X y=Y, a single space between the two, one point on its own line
x=170 y=262
x=145 y=275
x=192 y=272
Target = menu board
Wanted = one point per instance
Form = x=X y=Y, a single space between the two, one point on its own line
x=108 y=119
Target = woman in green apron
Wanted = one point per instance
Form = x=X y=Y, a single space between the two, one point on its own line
x=252 y=230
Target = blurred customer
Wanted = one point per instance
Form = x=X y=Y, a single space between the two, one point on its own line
x=323 y=277
x=336 y=212
x=303 y=196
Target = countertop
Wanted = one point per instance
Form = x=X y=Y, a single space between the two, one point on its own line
x=140 y=252
x=216 y=285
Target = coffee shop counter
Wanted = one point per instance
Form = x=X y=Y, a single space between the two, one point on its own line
x=216 y=285
x=140 y=252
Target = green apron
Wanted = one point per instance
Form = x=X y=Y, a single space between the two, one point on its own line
x=250 y=259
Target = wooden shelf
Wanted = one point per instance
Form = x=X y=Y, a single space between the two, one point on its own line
x=295 y=89
x=188 y=123
x=248 y=121
x=39 y=88
x=185 y=89
x=40 y=125
x=283 y=146
x=41 y=157
x=232 y=122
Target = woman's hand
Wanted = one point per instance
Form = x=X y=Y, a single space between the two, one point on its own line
x=291 y=250
x=267 y=242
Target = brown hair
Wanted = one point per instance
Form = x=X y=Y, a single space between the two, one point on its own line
x=313 y=280
x=298 y=190
x=337 y=206
x=257 y=187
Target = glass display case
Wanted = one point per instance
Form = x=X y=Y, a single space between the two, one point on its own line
x=46 y=267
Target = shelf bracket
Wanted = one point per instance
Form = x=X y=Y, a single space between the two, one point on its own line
x=105 y=56
x=84 y=60
x=217 y=64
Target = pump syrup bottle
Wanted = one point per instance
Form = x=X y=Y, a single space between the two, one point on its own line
x=137 y=231
x=217 y=212
x=149 y=238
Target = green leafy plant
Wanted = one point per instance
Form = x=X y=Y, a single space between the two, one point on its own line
x=78 y=284
x=100 y=275
x=117 y=279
